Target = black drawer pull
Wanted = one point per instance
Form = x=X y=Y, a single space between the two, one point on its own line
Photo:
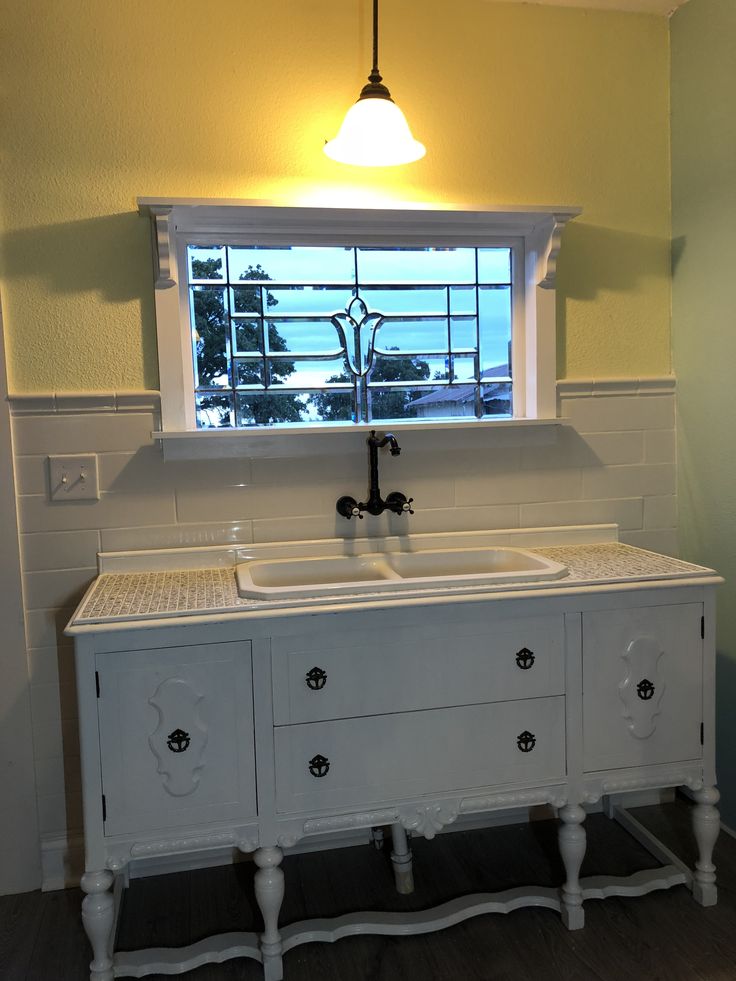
x=319 y=766
x=645 y=690
x=316 y=679
x=526 y=741
x=525 y=658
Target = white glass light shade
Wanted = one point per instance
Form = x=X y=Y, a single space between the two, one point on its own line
x=374 y=133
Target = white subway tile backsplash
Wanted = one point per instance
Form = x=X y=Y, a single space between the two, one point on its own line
x=423 y=521
x=111 y=511
x=60 y=550
x=83 y=433
x=51 y=666
x=55 y=702
x=475 y=463
x=465 y=519
x=316 y=469
x=616 y=413
x=325 y=525
x=616 y=448
x=240 y=503
x=290 y=499
x=45 y=628
x=660 y=512
x=518 y=488
x=569 y=450
x=660 y=446
x=31 y=475
x=627 y=514
x=60 y=587
x=574 y=449
x=629 y=481
x=129 y=473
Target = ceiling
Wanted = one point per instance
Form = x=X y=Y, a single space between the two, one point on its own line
x=664 y=7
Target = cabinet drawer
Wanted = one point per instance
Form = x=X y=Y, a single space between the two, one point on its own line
x=364 y=761
x=642 y=686
x=338 y=675
x=176 y=736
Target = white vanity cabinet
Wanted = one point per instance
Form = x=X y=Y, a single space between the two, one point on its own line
x=255 y=732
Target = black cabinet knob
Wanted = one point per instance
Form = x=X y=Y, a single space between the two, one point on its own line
x=316 y=678
x=645 y=690
x=319 y=766
x=525 y=658
x=178 y=741
x=526 y=741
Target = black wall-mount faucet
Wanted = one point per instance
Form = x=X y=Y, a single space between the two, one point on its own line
x=397 y=502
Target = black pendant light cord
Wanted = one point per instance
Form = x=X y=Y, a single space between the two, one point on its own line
x=375 y=71
x=375 y=89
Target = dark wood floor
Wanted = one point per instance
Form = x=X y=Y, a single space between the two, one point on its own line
x=660 y=937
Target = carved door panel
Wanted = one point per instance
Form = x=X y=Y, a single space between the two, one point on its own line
x=176 y=733
x=642 y=686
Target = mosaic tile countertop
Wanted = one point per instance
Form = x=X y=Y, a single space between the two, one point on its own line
x=155 y=595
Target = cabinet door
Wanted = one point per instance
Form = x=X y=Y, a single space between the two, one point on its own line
x=176 y=735
x=642 y=686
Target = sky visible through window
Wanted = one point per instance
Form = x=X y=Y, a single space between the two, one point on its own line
x=332 y=333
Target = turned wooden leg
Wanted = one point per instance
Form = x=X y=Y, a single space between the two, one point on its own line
x=706 y=825
x=98 y=914
x=571 y=839
x=269 y=889
x=401 y=859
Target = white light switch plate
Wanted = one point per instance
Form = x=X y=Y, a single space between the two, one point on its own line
x=74 y=478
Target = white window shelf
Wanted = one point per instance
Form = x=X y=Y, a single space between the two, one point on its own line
x=294 y=441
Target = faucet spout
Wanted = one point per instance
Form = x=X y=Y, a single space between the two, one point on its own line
x=375 y=442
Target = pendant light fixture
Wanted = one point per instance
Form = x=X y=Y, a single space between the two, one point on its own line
x=374 y=132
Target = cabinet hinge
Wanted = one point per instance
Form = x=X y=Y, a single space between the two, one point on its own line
x=97 y=683
x=702 y=627
x=104 y=808
x=701 y=733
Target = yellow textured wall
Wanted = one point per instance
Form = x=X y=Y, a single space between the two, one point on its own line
x=517 y=104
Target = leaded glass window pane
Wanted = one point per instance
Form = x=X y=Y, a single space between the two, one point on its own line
x=320 y=334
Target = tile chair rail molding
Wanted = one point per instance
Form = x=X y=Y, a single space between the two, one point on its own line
x=531 y=236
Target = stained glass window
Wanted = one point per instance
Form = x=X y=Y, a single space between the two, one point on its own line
x=326 y=334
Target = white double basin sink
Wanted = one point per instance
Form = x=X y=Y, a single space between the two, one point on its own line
x=391 y=571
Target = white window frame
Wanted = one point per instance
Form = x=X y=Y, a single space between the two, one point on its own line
x=534 y=234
